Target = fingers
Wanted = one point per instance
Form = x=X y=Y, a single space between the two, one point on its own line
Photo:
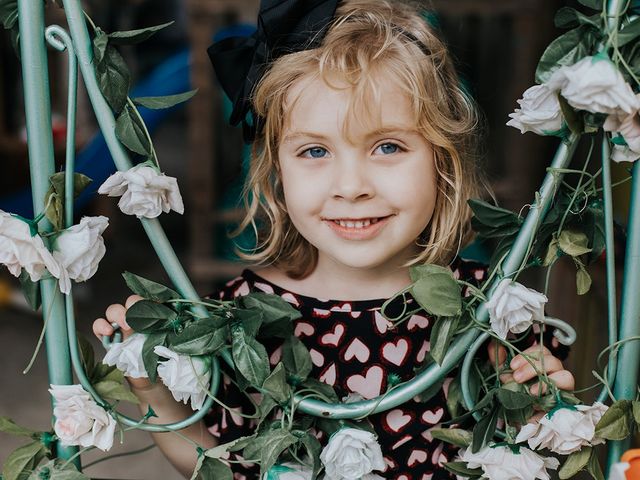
x=563 y=379
x=102 y=328
x=131 y=300
x=500 y=351
x=529 y=370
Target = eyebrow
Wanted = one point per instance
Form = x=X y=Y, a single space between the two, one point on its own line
x=388 y=130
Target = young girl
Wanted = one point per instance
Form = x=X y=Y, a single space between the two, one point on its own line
x=362 y=167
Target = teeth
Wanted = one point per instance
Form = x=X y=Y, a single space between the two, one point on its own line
x=357 y=224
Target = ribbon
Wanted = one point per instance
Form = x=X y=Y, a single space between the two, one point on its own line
x=284 y=26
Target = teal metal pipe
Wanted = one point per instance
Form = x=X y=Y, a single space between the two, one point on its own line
x=612 y=309
x=629 y=354
x=41 y=159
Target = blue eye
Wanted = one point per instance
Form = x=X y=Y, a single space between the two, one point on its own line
x=315 y=152
x=388 y=148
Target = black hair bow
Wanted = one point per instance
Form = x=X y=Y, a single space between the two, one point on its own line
x=284 y=26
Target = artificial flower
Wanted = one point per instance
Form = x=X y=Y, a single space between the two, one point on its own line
x=596 y=85
x=80 y=420
x=539 y=111
x=628 y=127
x=503 y=463
x=127 y=356
x=566 y=430
x=19 y=249
x=185 y=376
x=352 y=454
x=144 y=191
x=514 y=307
x=80 y=248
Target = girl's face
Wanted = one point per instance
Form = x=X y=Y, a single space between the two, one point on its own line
x=361 y=197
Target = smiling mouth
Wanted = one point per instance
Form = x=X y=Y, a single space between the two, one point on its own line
x=353 y=223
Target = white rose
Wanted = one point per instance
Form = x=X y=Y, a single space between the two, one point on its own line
x=539 y=111
x=186 y=377
x=288 y=471
x=144 y=191
x=629 y=127
x=596 y=85
x=80 y=248
x=352 y=454
x=19 y=249
x=566 y=430
x=617 y=471
x=501 y=463
x=127 y=356
x=80 y=420
x=514 y=307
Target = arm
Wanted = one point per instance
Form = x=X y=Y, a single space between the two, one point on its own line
x=180 y=452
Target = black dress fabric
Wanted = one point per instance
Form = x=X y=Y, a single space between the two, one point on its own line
x=355 y=349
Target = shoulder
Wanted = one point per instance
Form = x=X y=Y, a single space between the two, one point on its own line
x=265 y=280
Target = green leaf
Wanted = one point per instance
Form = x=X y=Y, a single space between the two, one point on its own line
x=565 y=50
x=214 y=469
x=202 y=337
x=593 y=4
x=100 y=42
x=568 y=17
x=57 y=470
x=326 y=391
x=23 y=459
x=583 y=280
x=593 y=467
x=296 y=358
x=441 y=335
x=575 y=462
x=436 y=290
x=456 y=436
x=275 y=443
x=30 y=290
x=149 y=289
x=166 y=101
x=553 y=252
x=115 y=391
x=571 y=117
x=514 y=400
x=249 y=357
x=131 y=37
x=149 y=357
x=630 y=32
x=147 y=316
x=279 y=329
x=484 y=429
x=460 y=468
x=614 y=424
x=9 y=13
x=491 y=221
x=80 y=183
x=131 y=132
x=113 y=78
x=87 y=356
x=55 y=196
x=573 y=243
x=251 y=320
x=9 y=426
x=313 y=448
x=635 y=408
x=454 y=398
x=276 y=385
x=274 y=307
x=237 y=444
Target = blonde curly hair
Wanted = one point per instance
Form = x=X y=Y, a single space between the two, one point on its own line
x=368 y=36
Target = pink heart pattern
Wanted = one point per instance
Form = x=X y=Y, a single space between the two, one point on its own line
x=358 y=350
x=396 y=352
x=369 y=385
x=333 y=338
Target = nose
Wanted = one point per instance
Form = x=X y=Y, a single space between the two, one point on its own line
x=351 y=180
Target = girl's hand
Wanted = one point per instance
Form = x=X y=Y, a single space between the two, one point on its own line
x=523 y=368
x=102 y=327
